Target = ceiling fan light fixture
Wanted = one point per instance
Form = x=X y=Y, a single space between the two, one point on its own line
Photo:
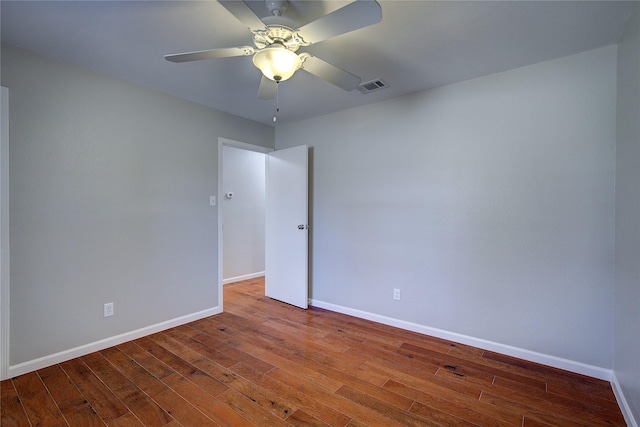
x=276 y=62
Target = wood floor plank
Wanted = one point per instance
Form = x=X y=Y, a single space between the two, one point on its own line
x=390 y=338
x=417 y=374
x=594 y=406
x=313 y=407
x=208 y=404
x=378 y=351
x=301 y=418
x=271 y=402
x=558 y=378
x=134 y=371
x=251 y=410
x=558 y=417
x=452 y=365
x=334 y=400
x=439 y=417
x=263 y=338
x=519 y=384
x=127 y=420
x=221 y=341
x=472 y=410
x=540 y=402
x=129 y=393
x=106 y=404
x=339 y=364
x=188 y=370
x=12 y=412
x=405 y=417
x=265 y=363
x=300 y=335
x=356 y=423
x=308 y=329
x=511 y=372
x=58 y=383
x=603 y=400
x=349 y=379
x=287 y=365
x=39 y=406
x=203 y=349
x=426 y=382
x=528 y=422
x=182 y=351
x=234 y=326
x=75 y=408
x=243 y=387
x=393 y=333
x=184 y=412
x=78 y=412
x=505 y=369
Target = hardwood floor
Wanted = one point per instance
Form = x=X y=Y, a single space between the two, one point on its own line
x=264 y=363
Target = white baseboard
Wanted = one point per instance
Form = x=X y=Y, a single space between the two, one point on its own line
x=63 y=356
x=243 y=277
x=622 y=401
x=532 y=356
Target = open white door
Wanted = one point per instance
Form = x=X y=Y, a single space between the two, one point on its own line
x=286 y=229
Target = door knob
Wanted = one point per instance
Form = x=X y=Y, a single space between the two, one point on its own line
x=302 y=227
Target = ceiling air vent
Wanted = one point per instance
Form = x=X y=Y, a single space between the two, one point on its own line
x=372 y=86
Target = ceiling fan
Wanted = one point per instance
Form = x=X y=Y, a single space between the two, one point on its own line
x=276 y=45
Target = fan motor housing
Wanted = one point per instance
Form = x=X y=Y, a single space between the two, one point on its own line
x=276 y=34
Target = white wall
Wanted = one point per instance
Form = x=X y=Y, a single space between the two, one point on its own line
x=109 y=202
x=489 y=203
x=243 y=215
x=627 y=293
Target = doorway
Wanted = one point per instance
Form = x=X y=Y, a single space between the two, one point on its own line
x=243 y=207
x=286 y=237
x=241 y=197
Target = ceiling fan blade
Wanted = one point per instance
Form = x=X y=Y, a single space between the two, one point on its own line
x=268 y=88
x=353 y=16
x=339 y=77
x=210 y=54
x=243 y=13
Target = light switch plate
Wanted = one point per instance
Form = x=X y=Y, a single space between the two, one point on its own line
x=108 y=309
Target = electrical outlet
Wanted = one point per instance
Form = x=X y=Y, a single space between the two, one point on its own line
x=108 y=309
x=396 y=294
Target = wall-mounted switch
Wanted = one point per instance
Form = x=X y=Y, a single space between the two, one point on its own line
x=212 y=200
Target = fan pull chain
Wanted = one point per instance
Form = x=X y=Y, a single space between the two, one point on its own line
x=276 y=107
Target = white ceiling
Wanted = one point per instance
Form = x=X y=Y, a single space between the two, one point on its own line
x=418 y=45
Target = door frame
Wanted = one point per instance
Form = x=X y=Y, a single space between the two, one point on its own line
x=222 y=142
x=4 y=234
